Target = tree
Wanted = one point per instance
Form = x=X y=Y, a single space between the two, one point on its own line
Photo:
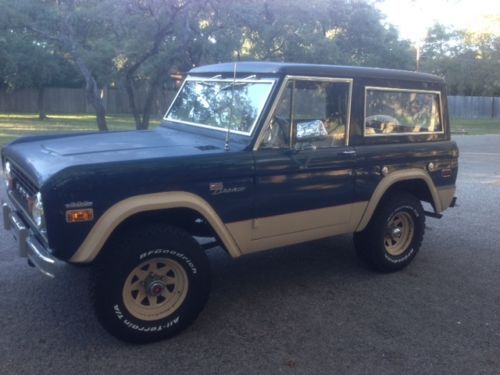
x=365 y=41
x=137 y=43
x=143 y=32
x=469 y=61
x=180 y=37
x=31 y=64
x=319 y=31
x=77 y=27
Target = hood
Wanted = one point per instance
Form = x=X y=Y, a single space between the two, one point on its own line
x=44 y=156
x=128 y=142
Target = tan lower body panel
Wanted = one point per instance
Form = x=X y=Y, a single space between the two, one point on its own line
x=446 y=195
x=239 y=237
x=282 y=230
x=301 y=221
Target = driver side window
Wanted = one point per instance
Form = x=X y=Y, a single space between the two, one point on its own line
x=278 y=131
x=311 y=114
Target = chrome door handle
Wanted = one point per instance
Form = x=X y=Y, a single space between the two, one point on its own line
x=350 y=153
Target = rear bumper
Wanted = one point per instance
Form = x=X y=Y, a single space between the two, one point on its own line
x=27 y=243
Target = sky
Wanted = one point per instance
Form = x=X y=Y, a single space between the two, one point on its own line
x=414 y=17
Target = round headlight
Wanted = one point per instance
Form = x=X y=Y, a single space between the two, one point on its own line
x=37 y=211
x=8 y=174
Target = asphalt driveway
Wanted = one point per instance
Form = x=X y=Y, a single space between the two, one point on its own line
x=309 y=309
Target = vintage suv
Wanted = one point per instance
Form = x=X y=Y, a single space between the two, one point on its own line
x=251 y=155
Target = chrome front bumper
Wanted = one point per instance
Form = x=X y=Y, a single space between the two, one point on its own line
x=28 y=245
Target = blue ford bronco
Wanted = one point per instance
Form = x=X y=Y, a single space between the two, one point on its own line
x=249 y=157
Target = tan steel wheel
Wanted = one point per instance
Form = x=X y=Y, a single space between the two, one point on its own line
x=155 y=289
x=399 y=233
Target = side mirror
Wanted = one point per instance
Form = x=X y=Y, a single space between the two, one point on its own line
x=309 y=131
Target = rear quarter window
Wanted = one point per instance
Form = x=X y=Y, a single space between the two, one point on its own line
x=393 y=112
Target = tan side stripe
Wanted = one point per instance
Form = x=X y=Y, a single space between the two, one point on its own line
x=287 y=229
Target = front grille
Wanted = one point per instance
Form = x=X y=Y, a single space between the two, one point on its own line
x=23 y=190
x=22 y=193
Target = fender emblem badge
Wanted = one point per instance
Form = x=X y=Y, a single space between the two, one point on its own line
x=217 y=188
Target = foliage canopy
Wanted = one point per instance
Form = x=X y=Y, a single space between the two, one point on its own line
x=135 y=44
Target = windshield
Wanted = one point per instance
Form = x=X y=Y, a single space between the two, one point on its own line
x=221 y=103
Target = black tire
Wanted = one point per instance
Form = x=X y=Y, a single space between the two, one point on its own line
x=378 y=244
x=172 y=286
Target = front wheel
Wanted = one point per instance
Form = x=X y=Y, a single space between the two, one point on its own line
x=151 y=284
x=394 y=235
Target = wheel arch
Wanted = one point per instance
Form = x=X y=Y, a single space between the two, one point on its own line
x=165 y=207
x=415 y=181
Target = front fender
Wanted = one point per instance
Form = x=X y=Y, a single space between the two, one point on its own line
x=116 y=214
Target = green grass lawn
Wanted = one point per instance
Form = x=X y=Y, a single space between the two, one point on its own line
x=476 y=127
x=13 y=126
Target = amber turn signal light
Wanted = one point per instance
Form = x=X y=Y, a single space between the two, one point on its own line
x=76 y=216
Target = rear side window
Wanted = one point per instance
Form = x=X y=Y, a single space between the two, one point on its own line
x=398 y=112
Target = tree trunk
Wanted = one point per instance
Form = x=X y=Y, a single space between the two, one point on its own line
x=142 y=119
x=148 y=103
x=94 y=96
x=68 y=41
x=91 y=87
x=129 y=88
x=40 y=103
x=100 y=111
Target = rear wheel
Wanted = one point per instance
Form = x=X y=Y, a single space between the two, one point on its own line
x=394 y=235
x=151 y=284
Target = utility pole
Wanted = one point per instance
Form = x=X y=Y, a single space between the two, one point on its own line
x=418 y=45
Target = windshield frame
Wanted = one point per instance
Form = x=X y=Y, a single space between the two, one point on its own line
x=230 y=81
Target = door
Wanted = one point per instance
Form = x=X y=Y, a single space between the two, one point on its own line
x=304 y=166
